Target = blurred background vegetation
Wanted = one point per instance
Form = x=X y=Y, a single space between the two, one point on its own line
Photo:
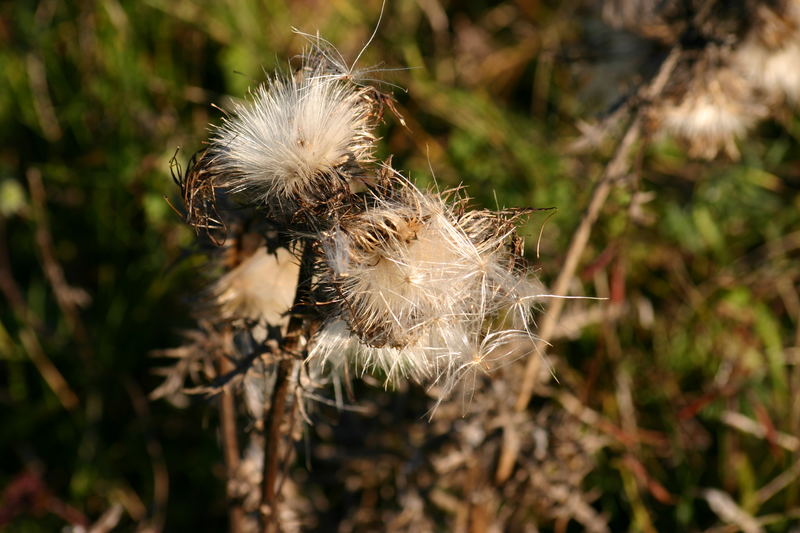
x=96 y=270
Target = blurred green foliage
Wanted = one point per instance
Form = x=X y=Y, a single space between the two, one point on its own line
x=97 y=96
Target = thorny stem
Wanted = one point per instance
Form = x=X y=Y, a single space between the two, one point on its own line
x=273 y=414
x=157 y=516
x=227 y=411
x=615 y=169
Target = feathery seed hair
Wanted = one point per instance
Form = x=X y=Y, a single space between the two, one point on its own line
x=740 y=61
x=260 y=289
x=717 y=107
x=418 y=281
x=301 y=141
x=770 y=55
x=293 y=141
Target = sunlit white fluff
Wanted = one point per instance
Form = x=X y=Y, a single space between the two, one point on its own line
x=415 y=272
x=286 y=145
x=733 y=87
x=776 y=72
x=716 y=109
x=336 y=347
x=770 y=55
x=418 y=284
x=409 y=260
x=480 y=355
x=260 y=289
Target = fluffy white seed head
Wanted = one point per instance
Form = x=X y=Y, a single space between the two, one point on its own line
x=418 y=284
x=260 y=289
x=390 y=290
x=295 y=141
x=775 y=72
x=407 y=261
x=732 y=86
x=717 y=108
x=770 y=55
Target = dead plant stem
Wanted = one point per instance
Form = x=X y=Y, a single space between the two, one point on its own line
x=230 y=445
x=67 y=296
x=274 y=413
x=272 y=422
x=580 y=238
x=29 y=325
x=614 y=170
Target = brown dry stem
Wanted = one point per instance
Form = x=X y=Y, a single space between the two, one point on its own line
x=230 y=444
x=68 y=297
x=292 y=346
x=614 y=170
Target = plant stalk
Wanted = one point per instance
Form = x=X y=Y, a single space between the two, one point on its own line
x=292 y=346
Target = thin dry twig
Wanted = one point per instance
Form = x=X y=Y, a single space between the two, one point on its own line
x=615 y=169
x=26 y=492
x=68 y=298
x=763 y=520
x=233 y=376
x=29 y=323
x=778 y=483
x=230 y=444
x=108 y=520
x=594 y=419
x=42 y=103
x=580 y=238
x=724 y=507
x=155 y=523
x=52 y=376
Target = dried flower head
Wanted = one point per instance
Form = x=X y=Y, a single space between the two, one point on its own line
x=770 y=55
x=711 y=110
x=196 y=185
x=405 y=283
x=260 y=289
x=291 y=143
x=417 y=281
x=738 y=61
x=299 y=141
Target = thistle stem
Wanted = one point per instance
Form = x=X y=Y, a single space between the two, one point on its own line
x=272 y=422
x=230 y=445
x=293 y=343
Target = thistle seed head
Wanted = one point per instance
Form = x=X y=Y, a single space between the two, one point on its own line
x=712 y=110
x=290 y=142
x=406 y=283
x=770 y=55
x=418 y=282
x=299 y=142
x=260 y=289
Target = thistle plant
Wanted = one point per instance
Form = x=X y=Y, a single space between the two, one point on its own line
x=405 y=282
x=344 y=265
